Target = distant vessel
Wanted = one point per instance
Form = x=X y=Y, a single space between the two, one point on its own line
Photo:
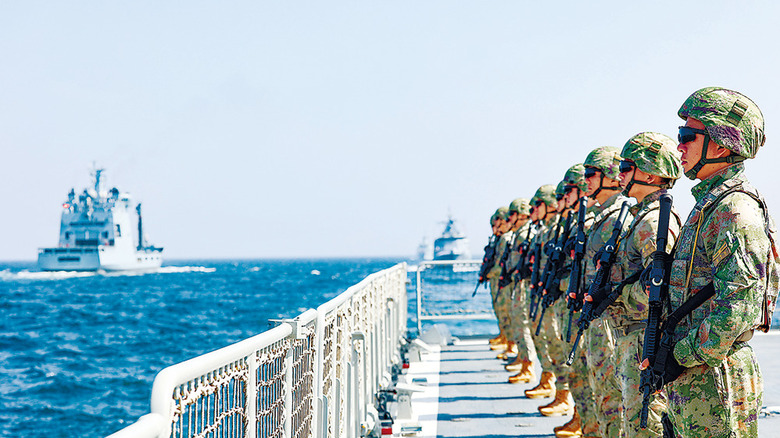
x=96 y=232
x=425 y=250
x=452 y=244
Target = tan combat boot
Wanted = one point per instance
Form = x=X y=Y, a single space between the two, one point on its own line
x=511 y=350
x=572 y=429
x=545 y=388
x=500 y=339
x=517 y=365
x=526 y=374
x=562 y=405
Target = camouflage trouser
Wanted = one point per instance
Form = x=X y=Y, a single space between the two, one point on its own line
x=501 y=305
x=542 y=341
x=493 y=282
x=600 y=346
x=549 y=339
x=628 y=353
x=579 y=386
x=558 y=349
x=519 y=324
x=718 y=402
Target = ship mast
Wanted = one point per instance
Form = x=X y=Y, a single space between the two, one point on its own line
x=140 y=228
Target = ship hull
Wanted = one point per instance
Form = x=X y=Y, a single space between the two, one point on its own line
x=97 y=258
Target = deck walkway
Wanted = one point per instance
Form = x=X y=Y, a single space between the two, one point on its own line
x=469 y=396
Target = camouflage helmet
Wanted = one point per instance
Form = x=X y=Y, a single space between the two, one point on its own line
x=606 y=159
x=520 y=206
x=654 y=154
x=502 y=213
x=575 y=176
x=730 y=118
x=546 y=194
x=560 y=190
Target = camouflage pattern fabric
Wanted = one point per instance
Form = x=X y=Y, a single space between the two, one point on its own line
x=519 y=324
x=542 y=342
x=579 y=382
x=501 y=296
x=654 y=154
x=634 y=253
x=598 y=339
x=605 y=158
x=730 y=118
x=723 y=242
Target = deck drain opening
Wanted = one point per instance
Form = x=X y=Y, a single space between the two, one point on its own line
x=524 y=425
x=460 y=419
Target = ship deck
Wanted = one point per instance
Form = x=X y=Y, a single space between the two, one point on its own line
x=467 y=394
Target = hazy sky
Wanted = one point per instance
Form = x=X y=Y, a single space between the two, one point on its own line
x=322 y=128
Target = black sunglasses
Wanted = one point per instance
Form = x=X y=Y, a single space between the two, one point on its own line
x=590 y=172
x=688 y=134
x=558 y=196
x=626 y=166
x=538 y=203
x=569 y=187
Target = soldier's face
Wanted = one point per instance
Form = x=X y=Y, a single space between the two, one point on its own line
x=513 y=218
x=593 y=182
x=570 y=198
x=691 y=151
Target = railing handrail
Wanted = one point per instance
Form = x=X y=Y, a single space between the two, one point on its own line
x=303 y=334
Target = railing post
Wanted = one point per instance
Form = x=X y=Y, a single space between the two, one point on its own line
x=251 y=397
x=288 y=393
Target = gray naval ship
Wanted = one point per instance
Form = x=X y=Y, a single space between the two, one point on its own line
x=96 y=233
x=452 y=244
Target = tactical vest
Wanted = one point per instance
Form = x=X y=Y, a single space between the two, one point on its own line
x=690 y=235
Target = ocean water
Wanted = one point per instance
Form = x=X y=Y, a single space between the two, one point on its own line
x=79 y=351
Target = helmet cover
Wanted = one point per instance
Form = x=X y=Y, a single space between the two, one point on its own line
x=731 y=119
x=654 y=154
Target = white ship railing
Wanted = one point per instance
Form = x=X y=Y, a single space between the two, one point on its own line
x=312 y=376
x=459 y=304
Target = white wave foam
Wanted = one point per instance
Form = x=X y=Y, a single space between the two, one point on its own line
x=7 y=275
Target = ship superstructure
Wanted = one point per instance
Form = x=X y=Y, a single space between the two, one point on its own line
x=452 y=244
x=96 y=232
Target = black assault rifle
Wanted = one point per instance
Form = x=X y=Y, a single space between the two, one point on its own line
x=536 y=253
x=488 y=260
x=503 y=278
x=537 y=284
x=520 y=271
x=605 y=262
x=575 y=304
x=552 y=282
x=658 y=290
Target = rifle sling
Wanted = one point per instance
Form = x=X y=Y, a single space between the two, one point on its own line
x=688 y=307
x=615 y=293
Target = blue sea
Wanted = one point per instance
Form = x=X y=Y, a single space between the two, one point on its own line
x=79 y=351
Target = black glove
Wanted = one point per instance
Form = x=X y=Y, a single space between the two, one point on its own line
x=672 y=370
x=600 y=295
x=568 y=247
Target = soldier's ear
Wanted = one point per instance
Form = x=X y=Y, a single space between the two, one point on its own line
x=715 y=150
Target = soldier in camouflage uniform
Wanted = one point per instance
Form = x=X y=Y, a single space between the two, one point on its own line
x=519 y=325
x=584 y=420
x=651 y=166
x=712 y=378
x=601 y=175
x=552 y=322
x=544 y=206
x=500 y=227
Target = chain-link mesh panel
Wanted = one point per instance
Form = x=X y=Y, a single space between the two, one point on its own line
x=212 y=404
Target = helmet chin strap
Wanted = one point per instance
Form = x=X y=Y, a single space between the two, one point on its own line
x=703 y=160
x=601 y=186
x=641 y=183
